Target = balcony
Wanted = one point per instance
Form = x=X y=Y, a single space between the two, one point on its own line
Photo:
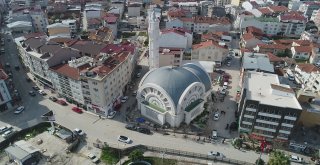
x=248 y=116
x=265 y=129
x=290 y=118
x=246 y=123
x=251 y=109
x=267 y=122
x=287 y=125
x=269 y=115
x=285 y=132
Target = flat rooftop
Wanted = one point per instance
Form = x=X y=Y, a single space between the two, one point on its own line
x=266 y=88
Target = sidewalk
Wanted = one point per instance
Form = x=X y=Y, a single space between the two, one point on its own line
x=181 y=160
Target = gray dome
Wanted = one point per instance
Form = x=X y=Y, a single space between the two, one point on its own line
x=174 y=80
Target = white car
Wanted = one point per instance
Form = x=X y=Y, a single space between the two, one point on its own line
x=214 y=134
x=93 y=158
x=124 y=99
x=229 y=63
x=5 y=128
x=216 y=116
x=42 y=92
x=216 y=154
x=8 y=133
x=124 y=139
x=19 y=110
x=79 y=131
x=295 y=158
x=111 y=114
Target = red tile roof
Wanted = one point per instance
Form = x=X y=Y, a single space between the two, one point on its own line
x=68 y=71
x=302 y=49
x=3 y=75
x=272 y=46
x=254 y=30
x=208 y=20
x=206 y=44
x=292 y=15
x=274 y=58
x=118 y=48
x=248 y=36
x=265 y=10
x=302 y=42
x=278 y=9
x=110 y=18
x=180 y=31
x=308 y=67
x=178 y=12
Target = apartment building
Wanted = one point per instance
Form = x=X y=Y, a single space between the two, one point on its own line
x=222 y=2
x=191 y=6
x=288 y=24
x=307 y=8
x=170 y=56
x=209 y=51
x=38 y=55
x=72 y=23
x=111 y=21
x=202 y=24
x=59 y=30
x=5 y=97
x=262 y=111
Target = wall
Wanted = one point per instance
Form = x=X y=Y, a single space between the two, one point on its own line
x=173 y=40
x=134 y=11
x=309 y=119
x=58 y=30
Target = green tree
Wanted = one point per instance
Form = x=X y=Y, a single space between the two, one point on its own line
x=136 y=155
x=237 y=143
x=260 y=162
x=278 y=158
x=109 y=155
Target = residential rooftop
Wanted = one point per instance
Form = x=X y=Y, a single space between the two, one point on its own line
x=257 y=61
x=266 y=88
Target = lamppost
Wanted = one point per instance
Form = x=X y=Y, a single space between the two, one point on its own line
x=162 y=156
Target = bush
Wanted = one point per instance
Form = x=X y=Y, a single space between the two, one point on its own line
x=136 y=155
x=110 y=155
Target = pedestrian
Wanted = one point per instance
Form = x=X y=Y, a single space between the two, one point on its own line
x=99 y=117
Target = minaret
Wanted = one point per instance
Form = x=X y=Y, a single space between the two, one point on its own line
x=154 y=34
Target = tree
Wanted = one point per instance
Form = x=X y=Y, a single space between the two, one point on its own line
x=136 y=155
x=278 y=158
x=237 y=143
x=260 y=162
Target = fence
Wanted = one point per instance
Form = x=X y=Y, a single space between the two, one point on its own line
x=126 y=151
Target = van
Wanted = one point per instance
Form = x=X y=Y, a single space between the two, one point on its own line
x=214 y=134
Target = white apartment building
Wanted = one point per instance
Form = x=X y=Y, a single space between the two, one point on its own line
x=222 y=2
x=39 y=20
x=191 y=6
x=307 y=8
x=288 y=24
x=72 y=23
x=38 y=55
x=263 y=114
x=201 y=24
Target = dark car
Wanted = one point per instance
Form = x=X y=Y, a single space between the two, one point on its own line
x=28 y=79
x=131 y=127
x=219 y=71
x=17 y=67
x=32 y=93
x=53 y=99
x=144 y=130
x=36 y=88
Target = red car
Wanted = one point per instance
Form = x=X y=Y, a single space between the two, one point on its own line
x=76 y=109
x=61 y=102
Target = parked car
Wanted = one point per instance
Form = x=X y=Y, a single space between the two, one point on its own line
x=134 y=93
x=216 y=116
x=19 y=110
x=8 y=133
x=216 y=154
x=131 y=127
x=295 y=158
x=229 y=63
x=225 y=85
x=124 y=139
x=138 y=75
x=32 y=93
x=5 y=128
x=214 y=134
x=28 y=79
x=223 y=92
x=144 y=130
x=17 y=67
x=61 y=102
x=93 y=158
x=124 y=99
x=76 y=109
x=53 y=99
x=79 y=131
x=111 y=114
x=43 y=93
x=36 y=88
